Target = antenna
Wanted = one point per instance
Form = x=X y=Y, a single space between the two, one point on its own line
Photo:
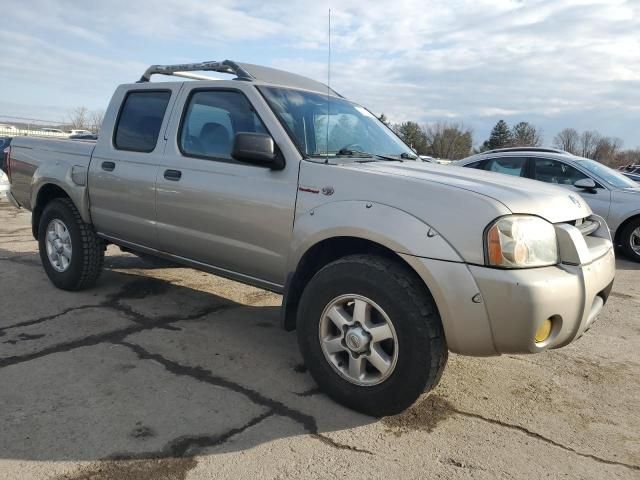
x=328 y=87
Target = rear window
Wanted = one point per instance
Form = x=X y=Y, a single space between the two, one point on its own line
x=140 y=120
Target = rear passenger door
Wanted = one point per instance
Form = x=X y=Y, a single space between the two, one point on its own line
x=124 y=166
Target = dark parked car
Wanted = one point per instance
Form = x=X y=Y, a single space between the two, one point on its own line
x=83 y=136
x=633 y=176
x=4 y=143
x=631 y=168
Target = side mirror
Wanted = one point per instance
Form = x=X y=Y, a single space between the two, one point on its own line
x=585 y=184
x=256 y=148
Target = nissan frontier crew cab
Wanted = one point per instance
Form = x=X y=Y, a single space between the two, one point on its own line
x=385 y=263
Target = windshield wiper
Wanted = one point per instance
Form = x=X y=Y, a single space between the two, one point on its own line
x=347 y=152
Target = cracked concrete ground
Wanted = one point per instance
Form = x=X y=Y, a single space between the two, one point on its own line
x=162 y=372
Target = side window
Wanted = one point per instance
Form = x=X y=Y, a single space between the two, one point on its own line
x=477 y=165
x=509 y=165
x=140 y=120
x=211 y=121
x=553 y=171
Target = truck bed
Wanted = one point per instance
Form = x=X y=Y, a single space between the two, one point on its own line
x=48 y=157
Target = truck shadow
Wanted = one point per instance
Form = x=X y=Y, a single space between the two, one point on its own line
x=144 y=372
x=624 y=264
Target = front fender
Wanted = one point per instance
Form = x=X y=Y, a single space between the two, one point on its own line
x=379 y=223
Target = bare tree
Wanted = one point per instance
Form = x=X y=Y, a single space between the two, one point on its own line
x=588 y=143
x=524 y=134
x=627 y=157
x=567 y=140
x=606 y=150
x=95 y=120
x=78 y=118
x=449 y=140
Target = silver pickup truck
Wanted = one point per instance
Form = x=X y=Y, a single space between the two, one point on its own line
x=385 y=263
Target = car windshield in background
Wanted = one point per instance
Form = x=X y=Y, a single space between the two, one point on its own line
x=344 y=128
x=607 y=174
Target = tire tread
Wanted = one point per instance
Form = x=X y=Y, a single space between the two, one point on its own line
x=91 y=246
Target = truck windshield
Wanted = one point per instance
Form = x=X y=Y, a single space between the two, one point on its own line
x=607 y=174
x=333 y=127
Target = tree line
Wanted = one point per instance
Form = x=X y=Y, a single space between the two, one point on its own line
x=454 y=141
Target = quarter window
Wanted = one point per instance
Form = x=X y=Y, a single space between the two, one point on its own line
x=553 y=171
x=140 y=120
x=211 y=121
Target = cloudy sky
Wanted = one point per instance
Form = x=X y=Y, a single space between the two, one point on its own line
x=555 y=63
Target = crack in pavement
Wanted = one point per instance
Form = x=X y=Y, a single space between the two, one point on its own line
x=542 y=438
x=22 y=260
x=129 y=290
x=309 y=393
x=112 y=336
x=201 y=374
x=184 y=446
x=23 y=337
x=46 y=318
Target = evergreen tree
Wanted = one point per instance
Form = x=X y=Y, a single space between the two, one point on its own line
x=500 y=137
x=383 y=118
x=526 y=135
x=413 y=135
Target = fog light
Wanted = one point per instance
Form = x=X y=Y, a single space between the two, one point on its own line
x=544 y=331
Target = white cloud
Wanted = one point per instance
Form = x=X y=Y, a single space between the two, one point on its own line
x=549 y=60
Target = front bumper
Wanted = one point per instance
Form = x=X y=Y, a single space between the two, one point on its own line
x=518 y=302
x=489 y=311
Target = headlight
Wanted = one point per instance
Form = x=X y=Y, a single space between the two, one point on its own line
x=521 y=241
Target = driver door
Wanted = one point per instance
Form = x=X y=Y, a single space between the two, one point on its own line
x=218 y=211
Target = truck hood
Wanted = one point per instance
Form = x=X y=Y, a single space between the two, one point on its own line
x=519 y=195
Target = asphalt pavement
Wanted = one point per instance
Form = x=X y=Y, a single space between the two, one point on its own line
x=162 y=372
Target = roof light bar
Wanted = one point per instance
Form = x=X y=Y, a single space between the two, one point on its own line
x=179 y=70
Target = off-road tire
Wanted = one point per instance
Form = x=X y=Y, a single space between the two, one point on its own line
x=88 y=249
x=422 y=350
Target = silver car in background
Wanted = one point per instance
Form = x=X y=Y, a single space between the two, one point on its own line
x=610 y=194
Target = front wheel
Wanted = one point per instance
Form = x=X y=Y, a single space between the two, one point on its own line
x=370 y=334
x=630 y=240
x=71 y=253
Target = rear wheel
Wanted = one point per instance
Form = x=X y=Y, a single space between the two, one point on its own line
x=630 y=240
x=71 y=253
x=370 y=334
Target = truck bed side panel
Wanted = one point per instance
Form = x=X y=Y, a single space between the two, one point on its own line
x=36 y=162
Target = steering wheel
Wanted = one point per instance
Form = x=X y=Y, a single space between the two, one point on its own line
x=353 y=146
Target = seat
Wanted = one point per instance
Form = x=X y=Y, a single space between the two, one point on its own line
x=215 y=139
x=148 y=129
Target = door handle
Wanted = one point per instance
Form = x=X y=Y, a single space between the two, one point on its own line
x=108 y=166
x=173 y=175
